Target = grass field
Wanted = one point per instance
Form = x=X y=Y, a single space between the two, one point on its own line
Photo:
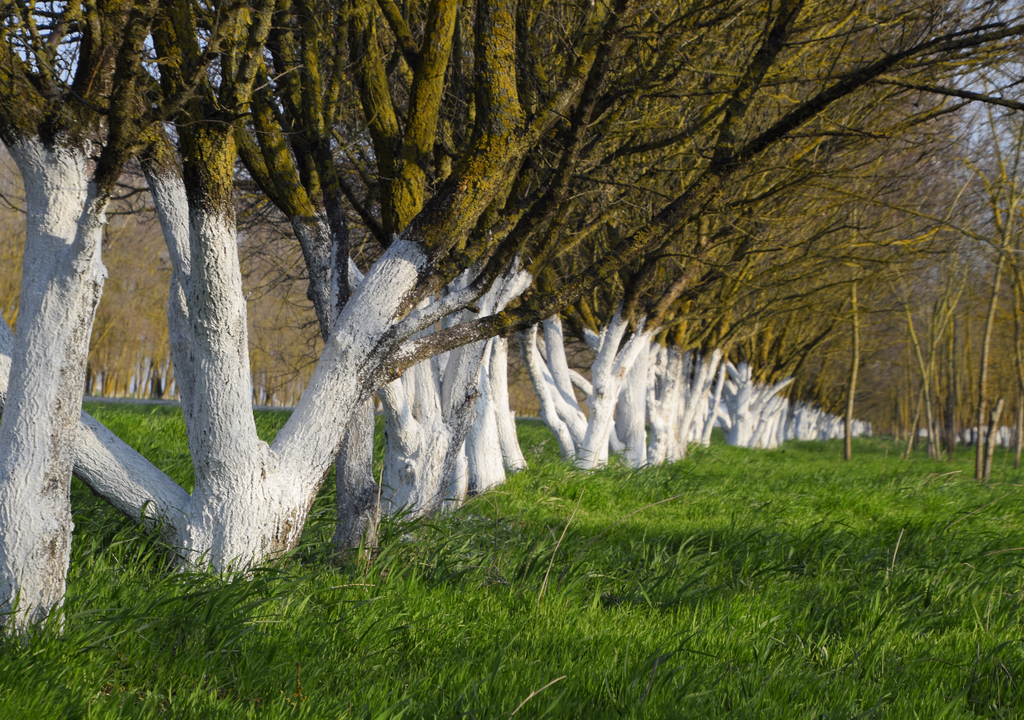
x=782 y=584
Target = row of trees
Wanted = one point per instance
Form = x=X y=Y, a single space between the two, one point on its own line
x=501 y=162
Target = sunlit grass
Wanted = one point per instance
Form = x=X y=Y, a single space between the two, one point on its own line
x=738 y=583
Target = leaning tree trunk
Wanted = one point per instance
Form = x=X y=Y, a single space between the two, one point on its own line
x=62 y=278
x=113 y=470
x=536 y=368
x=852 y=390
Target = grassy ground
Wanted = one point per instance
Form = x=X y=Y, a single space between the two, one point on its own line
x=736 y=584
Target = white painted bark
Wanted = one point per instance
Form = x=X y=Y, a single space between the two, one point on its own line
x=739 y=396
x=485 y=468
x=62 y=278
x=750 y=407
x=783 y=421
x=556 y=373
x=358 y=496
x=491 y=448
x=251 y=501
x=511 y=452
x=558 y=366
x=698 y=393
x=242 y=510
x=588 y=438
x=664 y=401
x=631 y=411
x=420 y=448
x=536 y=368
x=714 y=408
x=113 y=470
x=347 y=372
x=607 y=373
x=441 y=418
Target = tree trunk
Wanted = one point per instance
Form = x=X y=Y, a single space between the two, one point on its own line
x=427 y=413
x=709 y=426
x=511 y=452
x=990 y=439
x=1019 y=431
x=492 y=446
x=696 y=403
x=664 y=396
x=986 y=345
x=631 y=412
x=608 y=373
x=542 y=386
x=485 y=465
x=912 y=435
x=62 y=278
x=951 y=394
x=852 y=390
x=739 y=403
x=358 y=496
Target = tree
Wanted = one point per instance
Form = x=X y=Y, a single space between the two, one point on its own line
x=251 y=500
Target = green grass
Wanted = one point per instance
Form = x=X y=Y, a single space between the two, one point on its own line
x=781 y=584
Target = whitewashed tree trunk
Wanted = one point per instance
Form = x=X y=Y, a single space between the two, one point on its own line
x=631 y=411
x=714 y=409
x=251 y=500
x=511 y=452
x=434 y=407
x=424 y=435
x=358 y=496
x=607 y=374
x=558 y=376
x=492 y=446
x=536 y=368
x=113 y=470
x=62 y=278
x=664 y=400
x=783 y=421
x=741 y=387
x=750 y=407
x=590 y=447
x=698 y=393
x=485 y=468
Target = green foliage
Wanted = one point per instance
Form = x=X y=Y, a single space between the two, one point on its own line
x=763 y=584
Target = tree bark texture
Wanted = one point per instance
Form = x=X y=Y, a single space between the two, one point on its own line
x=62 y=279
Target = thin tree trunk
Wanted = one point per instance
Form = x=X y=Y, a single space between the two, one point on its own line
x=951 y=395
x=990 y=440
x=912 y=435
x=986 y=345
x=1018 y=333
x=1020 y=431
x=854 y=363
